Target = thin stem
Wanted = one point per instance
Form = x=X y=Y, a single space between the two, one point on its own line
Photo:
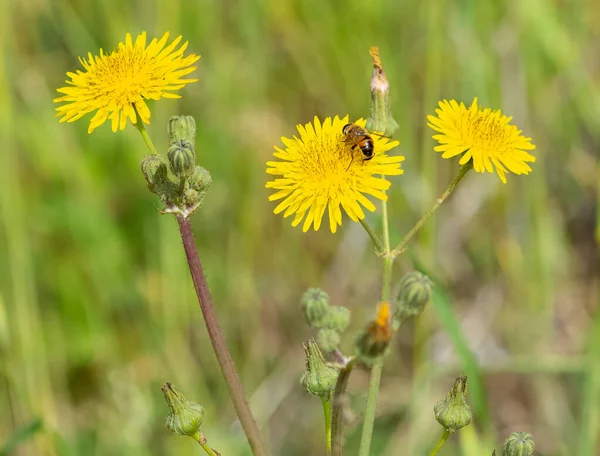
x=337 y=413
x=327 y=414
x=386 y=287
x=372 y=235
x=367 y=430
x=236 y=390
x=142 y=129
x=201 y=439
x=434 y=207
x=440 y=443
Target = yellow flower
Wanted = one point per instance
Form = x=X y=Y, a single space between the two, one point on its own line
x=482 y=135
x=320 y=172
x=116 y=83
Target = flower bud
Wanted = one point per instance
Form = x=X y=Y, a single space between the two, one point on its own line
x=201 y=179
x=372 y=343
x=185 y=417
x=315 y=305
x=182 y=127
x=182 y=158
x=154 y=169
x=415 y=292
x=319 y=378
x=453 y=412
x=518 y=444
x=380 y=120
x=329 y=339
x=337 y=318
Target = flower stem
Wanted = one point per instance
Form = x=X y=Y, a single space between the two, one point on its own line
x=199 y=437
x=236 y=390
x=434 y=207
x=327 y=414
x=372 y=235
x=142 y=129
x=337 y=414
x=386 y=287
x=440 y=443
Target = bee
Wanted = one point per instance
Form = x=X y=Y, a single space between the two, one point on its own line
x=359 y=137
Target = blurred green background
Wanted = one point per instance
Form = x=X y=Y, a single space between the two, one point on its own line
x=96 y=304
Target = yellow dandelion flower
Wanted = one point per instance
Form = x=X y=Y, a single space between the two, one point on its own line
x=320 y=171
x=482 y=135
x=116 y=83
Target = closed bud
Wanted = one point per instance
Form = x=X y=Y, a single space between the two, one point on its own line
x=182 y=158
x=372 y=343
x=518 y=444
x=182 y=127
x=154 y=169
x=380 y=120
x=185 y=417
x=319 y=378
x=315 y=305
x=453 y=412
x=329 y=339
x=201 y=179
x=337 y=318
x=415 y=292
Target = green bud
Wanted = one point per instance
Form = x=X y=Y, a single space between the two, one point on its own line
x=319 y=378
x=329 y=339
x=185 y=417
x=453 y=412
x=315 y=305
x=373 y=342
x=337 y=318
x=201 y=179
x=380 y=120
x=154 y=169
x=415 y=292
x=518 y=444
x=182 y=158
x=182 y=127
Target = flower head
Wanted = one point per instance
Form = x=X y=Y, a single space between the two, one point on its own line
x=483 y=135
x=322 y=170
x=116 y=83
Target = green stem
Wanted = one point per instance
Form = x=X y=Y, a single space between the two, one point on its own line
x=337 y=413
x=434 y=207
x=386 y=287
x=327 y=414
x=199 y=437
x=440 y=443
x=236 y=390
x=142 y=129
x=372 y=235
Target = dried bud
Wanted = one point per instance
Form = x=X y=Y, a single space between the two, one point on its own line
x=182 y=158
x=337 y=318
x=381 y=119
x=329 y=339
x=319 y=379
x=154 y=169
x=518 y=444
x=415 y=292
x=453 y=412
x=182 y=127
x=315 y=305
x=185 y=417
x=372 y=343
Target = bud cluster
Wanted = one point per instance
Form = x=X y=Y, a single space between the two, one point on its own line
x=330 y=321
x=186 y=191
